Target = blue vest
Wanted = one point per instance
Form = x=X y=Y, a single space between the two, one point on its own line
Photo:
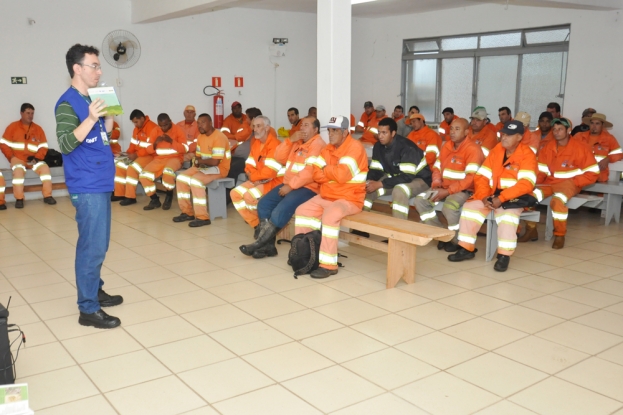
x=90 y=167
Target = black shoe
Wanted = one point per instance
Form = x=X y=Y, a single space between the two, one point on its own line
x=49 y=200
x=3 y=206
x=99 y=320
x=19 y=204
x=107 y=300
x=128 y=201
x=199 y=222
x=268 y=250
x=154 y=203
x=441 y=245
x=461 y=255
x=322 y=273
x=257 y=231
x=168 y=199
x=451 y=247
x=183 y=218
x=114 y=198
x=501 y=264
x=359 y=233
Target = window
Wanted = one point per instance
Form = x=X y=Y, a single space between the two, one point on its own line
x=520 y=69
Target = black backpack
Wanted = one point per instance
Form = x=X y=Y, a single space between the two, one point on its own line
x=53 y=158
x=304 y=252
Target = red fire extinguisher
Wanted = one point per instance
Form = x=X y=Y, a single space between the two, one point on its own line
x=218 y=100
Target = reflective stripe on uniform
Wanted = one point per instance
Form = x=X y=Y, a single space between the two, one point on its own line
x=307 y=222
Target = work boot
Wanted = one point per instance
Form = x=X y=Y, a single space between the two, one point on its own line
x=114 y=198
x=19 y=203
x=49 y=200
x=559 y=242
x=322 y=273
x=501 y=264
x=99 y=320
x=107 y=300
x=461 y=255
x=154 y=203
x=531 y=233
x=183 y=218
x=199 y=222
x=257 y=231
x=3 y=206
x=441 y=245
x=451 y=247
x=268 y=250
x=266 y=235
x=128 y=201
x=168 y=199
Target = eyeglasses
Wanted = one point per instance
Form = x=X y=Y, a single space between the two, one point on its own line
x=95 y=66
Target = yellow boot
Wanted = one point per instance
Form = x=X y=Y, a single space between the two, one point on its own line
x=531 y=233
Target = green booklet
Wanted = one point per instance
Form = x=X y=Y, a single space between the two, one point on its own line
x=109 y=96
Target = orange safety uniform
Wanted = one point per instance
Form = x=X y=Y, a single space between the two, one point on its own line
x=168 y=158
x=486 y=139
x=491 y=127
x=531 y=140
x=507 y=179
x=193 y=181
x=455 y=168
x=127 y=179
x=295 y=127
x=114 y=138
x=542 y=140
x=352 y=123
x=369 y=133
x=19 y=142
x=341 y=173
x=2 y=189
x=428 y=141
x=444 y=129
x=603 y=145
x=399 y=118
x=191 y=130
x=500 y=125
x=563 y=172
x=264 y=173
x=237 y=129
x=299 y=157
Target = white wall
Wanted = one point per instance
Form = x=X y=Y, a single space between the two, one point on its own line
x=179 y=58
x=594 y=75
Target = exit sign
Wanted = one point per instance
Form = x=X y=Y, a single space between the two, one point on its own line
x=18 y=80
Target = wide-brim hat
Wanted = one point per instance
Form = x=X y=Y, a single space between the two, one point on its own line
x=597 y=116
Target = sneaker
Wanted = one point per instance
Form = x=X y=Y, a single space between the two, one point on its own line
x=99 y=320
x=107 y=300
x=183 y=218
x=49 y=200
x=322 y=273
x=199 y=222
x=461 y=255
x=128 y=201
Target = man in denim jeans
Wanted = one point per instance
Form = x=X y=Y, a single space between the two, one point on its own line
x=82 y=130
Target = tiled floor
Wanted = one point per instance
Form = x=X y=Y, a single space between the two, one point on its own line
x=207 y=330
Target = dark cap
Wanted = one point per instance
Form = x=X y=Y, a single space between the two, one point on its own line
x=368 y=104
x=562 y=121
x=546 y=115
x=448 y=109
x=512 y=128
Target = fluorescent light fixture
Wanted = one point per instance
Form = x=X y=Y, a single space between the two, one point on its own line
x=360 y=1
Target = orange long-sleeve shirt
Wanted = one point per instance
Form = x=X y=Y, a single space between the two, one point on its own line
x=342 y=172
x=454 y=170
x=299 y=158
x=500 y=125
x=574 y=161
x=603 y=145
x=371 y=130
x=428 y=141
x=365 y=119
x=486 y=139
x=191 y=130
x=536 y=135
x=140 y=138
x=295 y=127
x=22 y=141
x=237 y=129
x=514 y=177
x=261 y=164
x=215 y=146
x=165 y=150
x=114 y=138
x=531 y=140
x=444 y=130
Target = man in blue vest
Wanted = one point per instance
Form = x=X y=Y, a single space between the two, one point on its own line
x=83 y=136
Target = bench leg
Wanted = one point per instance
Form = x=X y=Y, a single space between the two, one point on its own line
x=492 y=239
x=613 y=208
x=549 y=224
x=400 y=263
x=217 y=202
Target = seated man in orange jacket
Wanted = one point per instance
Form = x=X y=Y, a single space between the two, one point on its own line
x=115 y=147
x=298 y=153
x=566 y=165
x=482 y=135
x=605 y=147
x=236 y=126
x=444 y=127
x=24 y=145
x=426 y=139
x=264 y=172
x=507 y=176
x=341 y=171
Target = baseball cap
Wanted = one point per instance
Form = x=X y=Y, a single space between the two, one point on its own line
x=380 y=108
x=338 y=122
x=480 y=113
x=420 y=116
x=546 y=115
x=189 y=108
x=562 y=121
x=513 y=127
x=524 y=117
x=368 y=104
x=448 y=109
x=235 y=104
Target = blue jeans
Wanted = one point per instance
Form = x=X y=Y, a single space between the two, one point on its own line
x=280 y=209
x=93 y=218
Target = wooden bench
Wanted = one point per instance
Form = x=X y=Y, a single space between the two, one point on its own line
x=403 y=239
x=575 y=202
